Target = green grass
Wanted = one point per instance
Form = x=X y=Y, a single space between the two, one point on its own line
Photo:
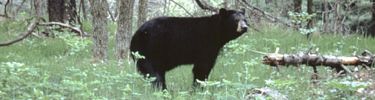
x=49 y=72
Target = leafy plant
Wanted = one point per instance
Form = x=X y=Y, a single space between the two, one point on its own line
x=75 y=43
x=302 y=19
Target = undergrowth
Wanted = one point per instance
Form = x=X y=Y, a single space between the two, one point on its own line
x=61 y=68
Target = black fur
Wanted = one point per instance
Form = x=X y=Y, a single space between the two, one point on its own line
x=167 y=42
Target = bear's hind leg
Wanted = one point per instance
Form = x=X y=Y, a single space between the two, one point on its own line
x=146 y=68
x=160 y=80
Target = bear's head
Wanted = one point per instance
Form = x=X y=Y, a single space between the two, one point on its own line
x=233 y=22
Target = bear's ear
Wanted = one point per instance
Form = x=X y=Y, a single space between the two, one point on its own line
x=222 y=11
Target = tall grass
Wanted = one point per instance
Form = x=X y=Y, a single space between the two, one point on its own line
x=41 y=68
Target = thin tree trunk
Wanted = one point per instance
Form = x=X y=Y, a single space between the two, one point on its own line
x=237 y=4
x=309 y=11
x=338 y=18
x=297 y=5
x=373 y=10
x=124 y=30
x=297 y=9
x=325 y=16
x=31 y=7
x=268 y=1
x=100 y=33
x=226 y=4
x=371 y=29
x=71 y=11
x=19 y=7
x=5 y=8
x=142 y=12
x=83 y=9
x=37 y=6
x=276 y=3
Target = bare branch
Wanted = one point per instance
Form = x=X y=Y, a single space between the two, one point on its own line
x=182 y=8
x=74 y=29
x=265 y=14
x=30 y=29
x=348 y=70
x=4 y=16
x=5 y=8
x=205 y=6
x=109 y=12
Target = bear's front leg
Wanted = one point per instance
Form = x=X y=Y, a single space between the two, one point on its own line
x=201 y=71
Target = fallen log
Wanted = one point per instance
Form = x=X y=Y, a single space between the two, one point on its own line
x=74 y=29
x=366 y=59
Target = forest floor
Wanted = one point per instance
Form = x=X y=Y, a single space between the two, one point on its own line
x=61 y=68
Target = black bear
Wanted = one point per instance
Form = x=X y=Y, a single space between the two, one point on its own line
x=167 y=42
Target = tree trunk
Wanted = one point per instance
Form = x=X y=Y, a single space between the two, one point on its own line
x=71 y=11
x=37 y=6
x=62 y=10
x=373 y=10
x=338 y=27
x=100 y=33
x=5 y=8
x=276 y=3
x=310 y=11
x=297 y=9
x=142 y=12
x=269 y=1
x=237 y=4
x=371 y=29
x=310 y=21
x=325 y=16
x=226 y=4
x=56 y=10
x=297 y=6
x=83 y=9
x=31 y=7
x=124 y=30
x=19 y=7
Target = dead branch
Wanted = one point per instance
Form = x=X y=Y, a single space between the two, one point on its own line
x=265 y=92
x=30 y=29
x=182 y=8
x=318 y=60
x=4 y=16
x=109 y=12
x=111 y=15
x=5 y=8
x=337 y=62
x=205 y=6
x=264 y=14
x=74 y=29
